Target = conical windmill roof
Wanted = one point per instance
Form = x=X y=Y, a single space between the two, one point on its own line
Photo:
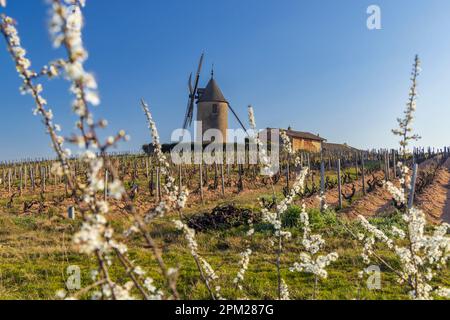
x=212 y=93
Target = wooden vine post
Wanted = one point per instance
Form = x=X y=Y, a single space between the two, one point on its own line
x=9 y=181
x=339 y=183
x=201 y=182
x=363 y=175
x=222 y=180
x=106 y=185
x=288 y=173
x=158 y=194
x=413 y=186
x=322 y=185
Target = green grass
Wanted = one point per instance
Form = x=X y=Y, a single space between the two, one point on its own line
x=36 y=251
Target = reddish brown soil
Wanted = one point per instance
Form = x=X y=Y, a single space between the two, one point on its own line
x=373 y=204
x=332 y=196
x=435 y=200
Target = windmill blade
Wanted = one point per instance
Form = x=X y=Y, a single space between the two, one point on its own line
x=188 y=117
x=189 y=112
x=200 y=64
x=237 y=118
x=191 y=88
x=199 y=71
x=193 y=94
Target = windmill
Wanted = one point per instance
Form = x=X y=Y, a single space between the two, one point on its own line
x=212 y=107
x=193 y=95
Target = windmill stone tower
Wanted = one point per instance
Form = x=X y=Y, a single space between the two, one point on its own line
x=212 y=109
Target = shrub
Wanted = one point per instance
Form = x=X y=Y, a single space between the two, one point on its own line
x=324 y=219
x=291 y=218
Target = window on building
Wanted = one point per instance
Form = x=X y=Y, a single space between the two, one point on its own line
x=215 y=109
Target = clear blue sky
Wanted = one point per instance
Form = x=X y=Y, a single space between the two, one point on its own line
x=310 y=64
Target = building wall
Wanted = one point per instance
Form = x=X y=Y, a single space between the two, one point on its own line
x=306 y=145
x=211 y=120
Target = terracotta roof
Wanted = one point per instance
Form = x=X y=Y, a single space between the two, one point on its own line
x=298 y=134
x=304 y=135
x=212 y=93
x=335 y=147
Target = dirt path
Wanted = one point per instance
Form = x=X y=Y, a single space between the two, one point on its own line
x=332 y=196
x=435 y=200
x=446 y=215
x=375 y=203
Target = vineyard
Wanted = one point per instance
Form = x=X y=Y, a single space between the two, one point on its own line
x=39 y=219
x=94 y=224
x=32 y=187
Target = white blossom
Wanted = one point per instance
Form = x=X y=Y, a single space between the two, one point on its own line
x=285 y=295
x=310 y=260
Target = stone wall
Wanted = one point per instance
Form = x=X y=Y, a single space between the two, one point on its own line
x=212 y=120
x=306 y=145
